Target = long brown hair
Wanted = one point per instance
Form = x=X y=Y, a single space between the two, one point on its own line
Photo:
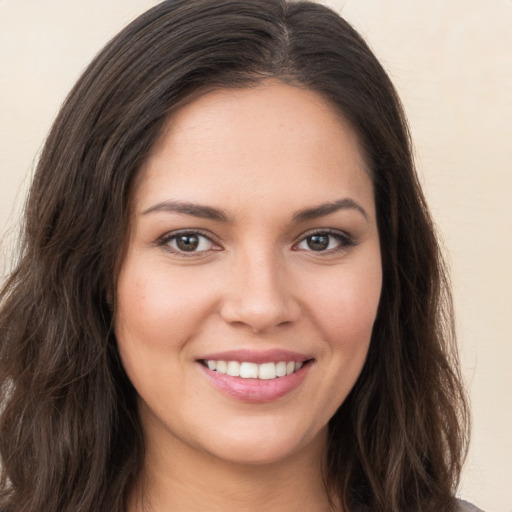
x=70 y=438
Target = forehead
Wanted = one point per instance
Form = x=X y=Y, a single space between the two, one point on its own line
x=270 y=141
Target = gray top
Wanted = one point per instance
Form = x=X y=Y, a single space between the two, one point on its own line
x=464 y=506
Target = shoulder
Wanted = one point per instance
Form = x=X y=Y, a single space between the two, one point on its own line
x=464 y=506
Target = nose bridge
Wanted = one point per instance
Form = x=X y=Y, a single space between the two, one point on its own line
x=260 y=296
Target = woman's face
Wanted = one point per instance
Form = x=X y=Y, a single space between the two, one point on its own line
x=254 y=251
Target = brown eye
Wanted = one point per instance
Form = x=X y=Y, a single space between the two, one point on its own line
x=188 y=243
x=325 y=241
x=318 y=242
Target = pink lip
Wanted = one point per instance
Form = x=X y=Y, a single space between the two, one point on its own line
x=255 y=390
x=256 y=356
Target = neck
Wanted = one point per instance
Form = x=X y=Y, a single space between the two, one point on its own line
x=179 y=477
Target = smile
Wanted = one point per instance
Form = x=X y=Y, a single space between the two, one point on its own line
x=256 y=376
x=249 y=370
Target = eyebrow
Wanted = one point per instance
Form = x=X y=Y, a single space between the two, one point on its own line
x=196 y=210
x=209 y=212
x=328 y=208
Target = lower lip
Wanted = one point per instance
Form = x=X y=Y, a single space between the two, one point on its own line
x=255 y=390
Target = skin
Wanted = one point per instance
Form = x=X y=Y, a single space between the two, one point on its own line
x=261 y=155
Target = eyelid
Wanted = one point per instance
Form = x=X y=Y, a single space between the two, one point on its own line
x=164 y=240
x=345 y=239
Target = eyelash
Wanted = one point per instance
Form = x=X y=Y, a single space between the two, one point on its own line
x=165 y=241
x=344 y=240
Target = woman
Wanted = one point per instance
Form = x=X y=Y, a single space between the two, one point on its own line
x=230 y=295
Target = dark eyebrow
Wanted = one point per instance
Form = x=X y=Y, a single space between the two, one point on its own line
x=328 y=208
x=208 y=212
x=196 y=210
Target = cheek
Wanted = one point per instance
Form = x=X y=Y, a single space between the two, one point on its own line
x=142 y=323
x=156 y=306
x=151 y=330
x=345 y=303
x=344 y=306
x=159 y=310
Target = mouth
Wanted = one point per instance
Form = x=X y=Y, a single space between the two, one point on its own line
x=251 y=370
x=256 y=376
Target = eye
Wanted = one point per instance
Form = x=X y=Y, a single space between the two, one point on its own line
x=324 y=241
x=187 y=242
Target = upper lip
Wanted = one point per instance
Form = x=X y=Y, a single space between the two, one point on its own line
x=256 y=356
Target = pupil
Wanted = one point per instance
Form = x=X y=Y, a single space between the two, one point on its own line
x=187 y=242
x=318 y=242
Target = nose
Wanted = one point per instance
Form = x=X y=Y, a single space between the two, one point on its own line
x=260 y=295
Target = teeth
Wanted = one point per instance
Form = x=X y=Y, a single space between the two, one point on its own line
x=246 y=370
x=233 y=368
x=222 y=366
x=281 y=369
x=267 y=371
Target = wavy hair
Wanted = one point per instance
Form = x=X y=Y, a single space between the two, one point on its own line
x=70 y=437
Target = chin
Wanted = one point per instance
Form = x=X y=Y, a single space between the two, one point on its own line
x=269 y=446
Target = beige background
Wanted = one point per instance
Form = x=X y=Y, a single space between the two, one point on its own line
x=451 y=61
